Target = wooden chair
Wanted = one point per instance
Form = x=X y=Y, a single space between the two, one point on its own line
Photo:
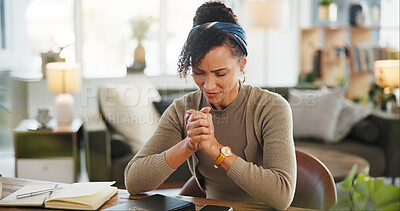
x=315 y=186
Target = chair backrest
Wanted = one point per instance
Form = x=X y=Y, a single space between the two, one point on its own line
x=315 y=186
x=191 y=188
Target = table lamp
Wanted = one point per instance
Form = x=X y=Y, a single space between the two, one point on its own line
x=63 y=79
x=387 y=76
x=266 y=15
x=269 y=14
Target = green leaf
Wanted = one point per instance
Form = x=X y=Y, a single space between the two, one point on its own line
x=347 y=183
x=375 y=185
x=342 y=204
x=357 y=197
x=362 y=178
x=391 y=207
x=386 y=195
x=326 y=2
x=362 y=190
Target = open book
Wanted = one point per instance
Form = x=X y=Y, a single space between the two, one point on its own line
x=77 y=196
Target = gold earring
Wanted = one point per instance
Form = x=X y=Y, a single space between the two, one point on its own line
x=244 y=77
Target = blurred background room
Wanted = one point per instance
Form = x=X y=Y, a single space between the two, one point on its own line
x=86 y=121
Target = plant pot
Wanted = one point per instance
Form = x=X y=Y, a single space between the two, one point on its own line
x=327 y=12
x=139 y=59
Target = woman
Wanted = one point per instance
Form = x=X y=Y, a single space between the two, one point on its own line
x=236 y=138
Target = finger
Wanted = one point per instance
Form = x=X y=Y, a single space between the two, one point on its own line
x=206 y=109
x=197 y=115
x=186 y=118
x=198 y=131
x=210 y=122
x=197 y=139
x=187 y=115
x=199 y=123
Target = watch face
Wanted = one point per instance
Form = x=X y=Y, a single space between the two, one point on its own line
x=226 y=151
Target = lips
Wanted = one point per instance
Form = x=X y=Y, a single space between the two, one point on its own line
x=211 y=94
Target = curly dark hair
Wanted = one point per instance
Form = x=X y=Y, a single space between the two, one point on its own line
x=201 y=41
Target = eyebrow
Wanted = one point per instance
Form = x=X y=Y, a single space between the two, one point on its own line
x=224 y=68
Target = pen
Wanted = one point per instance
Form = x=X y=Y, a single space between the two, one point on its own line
x=34 y=193
x=51 y=192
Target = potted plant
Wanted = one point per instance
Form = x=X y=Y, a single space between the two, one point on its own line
x=367 y=193
x=327 y=10
x=140 y=25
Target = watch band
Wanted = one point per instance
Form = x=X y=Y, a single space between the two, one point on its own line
x=219 y=160
x=224 y=153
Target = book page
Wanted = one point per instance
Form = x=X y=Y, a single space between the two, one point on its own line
x=89 y=202
x=81 y=189
x=36 y=200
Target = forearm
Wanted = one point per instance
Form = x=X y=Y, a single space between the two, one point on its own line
x=146 y=173
x=272 y=186
x=178 y=154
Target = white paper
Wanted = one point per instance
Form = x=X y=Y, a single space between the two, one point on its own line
x=36 y=200
x=81 y=189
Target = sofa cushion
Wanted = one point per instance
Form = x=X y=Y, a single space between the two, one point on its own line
x=366 y=131
x=315 y=112
x=129 y=109
x=350 y=114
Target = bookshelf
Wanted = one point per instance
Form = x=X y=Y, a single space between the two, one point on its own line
x=336 y=64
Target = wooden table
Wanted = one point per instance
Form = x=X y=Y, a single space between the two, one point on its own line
x=338 y=163
x=11 y=185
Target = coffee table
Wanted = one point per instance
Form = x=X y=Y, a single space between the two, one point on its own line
x=338 y=163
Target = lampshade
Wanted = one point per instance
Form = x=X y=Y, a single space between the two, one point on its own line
x=63 y=77
x=267 y=14
x=387 y=73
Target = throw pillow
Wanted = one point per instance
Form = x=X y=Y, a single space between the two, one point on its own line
x=315 y=112
x=350 y=115
x=129 y=109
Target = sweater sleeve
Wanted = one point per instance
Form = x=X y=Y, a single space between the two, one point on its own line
x=149 y=168
x=274 y=182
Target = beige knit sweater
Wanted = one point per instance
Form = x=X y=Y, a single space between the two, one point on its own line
x=269 y=172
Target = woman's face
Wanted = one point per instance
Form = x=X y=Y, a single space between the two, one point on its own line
x=217 y=76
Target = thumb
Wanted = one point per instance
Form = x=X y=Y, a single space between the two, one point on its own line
x=205 y=110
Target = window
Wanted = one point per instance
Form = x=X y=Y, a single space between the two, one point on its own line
x=389 y=32
x=98 y=33
x=107 y=44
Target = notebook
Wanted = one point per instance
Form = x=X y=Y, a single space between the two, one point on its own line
x=156 y=202
x=77 y=196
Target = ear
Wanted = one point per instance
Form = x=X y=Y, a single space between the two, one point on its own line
x=243 y=63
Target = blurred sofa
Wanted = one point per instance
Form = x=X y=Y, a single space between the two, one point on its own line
x=374 y=138
x=127 y=118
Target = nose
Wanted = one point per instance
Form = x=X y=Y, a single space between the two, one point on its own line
x=209 y=83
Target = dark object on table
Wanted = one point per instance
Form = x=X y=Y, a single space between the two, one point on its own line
x=209 y=207
x=156 y=202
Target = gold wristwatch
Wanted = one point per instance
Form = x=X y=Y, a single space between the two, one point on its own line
x=225 y=152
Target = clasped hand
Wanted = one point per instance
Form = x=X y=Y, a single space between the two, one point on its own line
x=200 y=129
